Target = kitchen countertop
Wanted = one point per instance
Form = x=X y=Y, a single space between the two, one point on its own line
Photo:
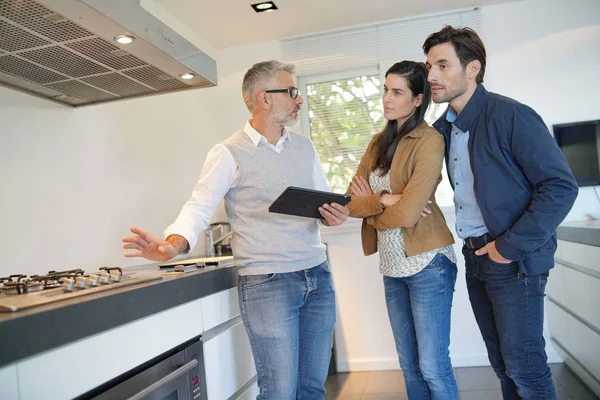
x=31 y=331
x=584 y=232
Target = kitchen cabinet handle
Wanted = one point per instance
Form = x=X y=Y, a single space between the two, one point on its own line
x=161 y=382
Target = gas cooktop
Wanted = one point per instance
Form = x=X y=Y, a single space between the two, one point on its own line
x=19 y=291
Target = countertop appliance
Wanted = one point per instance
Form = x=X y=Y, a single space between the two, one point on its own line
x=218 y=239
x=79 y=52
x=19 y=291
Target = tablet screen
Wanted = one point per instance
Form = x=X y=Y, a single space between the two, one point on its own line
x=303 y=202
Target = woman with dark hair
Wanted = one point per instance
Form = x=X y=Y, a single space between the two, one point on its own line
x=396 y=180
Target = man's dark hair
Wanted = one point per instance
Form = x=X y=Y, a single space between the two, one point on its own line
x=466 y=42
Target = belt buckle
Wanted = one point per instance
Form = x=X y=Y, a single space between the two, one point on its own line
x=470 y=243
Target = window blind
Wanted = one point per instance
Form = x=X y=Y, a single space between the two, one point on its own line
x=379 y=44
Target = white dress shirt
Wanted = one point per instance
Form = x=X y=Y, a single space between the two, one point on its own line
x=220 y=173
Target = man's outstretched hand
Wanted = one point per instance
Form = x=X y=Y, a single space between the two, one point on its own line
x=153 y=248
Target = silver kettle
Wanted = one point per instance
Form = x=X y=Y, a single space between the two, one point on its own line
x=218 y=239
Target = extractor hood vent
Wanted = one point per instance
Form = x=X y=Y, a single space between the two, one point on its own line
x=64 y=50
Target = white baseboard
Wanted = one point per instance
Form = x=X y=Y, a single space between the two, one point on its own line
x=470 y=360
x=368 y=365
x=554 y=357
x=388 y=364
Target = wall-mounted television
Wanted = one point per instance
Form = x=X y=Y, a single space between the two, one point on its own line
x=580 y=143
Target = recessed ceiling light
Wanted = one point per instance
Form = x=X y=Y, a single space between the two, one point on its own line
x=187 y=75
x=264 y=6
x=124 y=39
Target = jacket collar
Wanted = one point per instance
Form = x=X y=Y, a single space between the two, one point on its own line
x=468 y=115
x=419 y=131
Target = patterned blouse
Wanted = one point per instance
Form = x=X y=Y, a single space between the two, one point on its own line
x=393 y=261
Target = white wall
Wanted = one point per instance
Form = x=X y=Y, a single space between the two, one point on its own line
x=546 y=53
x=73 y=181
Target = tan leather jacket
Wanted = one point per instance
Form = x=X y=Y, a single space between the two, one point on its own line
x=415 y=173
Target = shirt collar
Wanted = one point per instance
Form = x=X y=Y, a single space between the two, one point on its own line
x=256 y=137
x=451 y=114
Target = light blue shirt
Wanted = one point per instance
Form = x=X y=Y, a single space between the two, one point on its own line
x=469 y=221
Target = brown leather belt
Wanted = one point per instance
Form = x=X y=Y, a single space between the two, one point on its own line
x=477 y=242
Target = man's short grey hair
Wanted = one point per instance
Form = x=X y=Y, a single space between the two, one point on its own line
x=260 y=75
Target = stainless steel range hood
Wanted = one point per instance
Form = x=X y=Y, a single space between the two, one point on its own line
x=66 y=50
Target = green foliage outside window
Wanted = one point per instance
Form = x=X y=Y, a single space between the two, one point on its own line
x=344 y=115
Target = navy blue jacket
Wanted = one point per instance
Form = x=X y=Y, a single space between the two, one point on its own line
x=523 y=184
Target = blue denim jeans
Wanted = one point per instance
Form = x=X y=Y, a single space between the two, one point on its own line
x=289 y=318
x=509 y=309
x=419 y=310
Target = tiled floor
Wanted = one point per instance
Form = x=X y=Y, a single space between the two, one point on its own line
x=478 y=383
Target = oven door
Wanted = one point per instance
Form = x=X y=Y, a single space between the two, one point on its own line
x=179 y=376
x=174 y=386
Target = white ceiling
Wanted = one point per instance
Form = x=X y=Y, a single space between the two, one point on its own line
x=225 y=23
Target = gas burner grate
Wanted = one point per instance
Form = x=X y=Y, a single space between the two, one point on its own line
x=19 y=284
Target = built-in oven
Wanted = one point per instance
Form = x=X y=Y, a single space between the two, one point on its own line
x=176 y=375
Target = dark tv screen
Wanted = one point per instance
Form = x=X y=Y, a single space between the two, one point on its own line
x=580 y=143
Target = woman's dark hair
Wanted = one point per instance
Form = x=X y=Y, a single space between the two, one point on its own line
x=386 y=143
x=466 y=42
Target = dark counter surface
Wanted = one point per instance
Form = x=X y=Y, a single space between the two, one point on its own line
x=584 y=232
x=31 y=331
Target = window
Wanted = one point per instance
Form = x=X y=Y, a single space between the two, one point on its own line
x=342 y=115
x=444 y=196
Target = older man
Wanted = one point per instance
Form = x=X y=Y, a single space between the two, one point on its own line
x=286 y=294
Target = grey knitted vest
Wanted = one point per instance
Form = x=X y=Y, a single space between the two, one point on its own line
x=265 y=242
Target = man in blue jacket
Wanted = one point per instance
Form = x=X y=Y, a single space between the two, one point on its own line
x=512 y=188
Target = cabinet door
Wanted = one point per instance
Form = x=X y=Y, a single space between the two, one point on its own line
x=9 y=383
x=228 y=362
x=219 y=308
x=90 y=362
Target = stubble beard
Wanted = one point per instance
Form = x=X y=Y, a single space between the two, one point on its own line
x=452 y=93
x=290 y=120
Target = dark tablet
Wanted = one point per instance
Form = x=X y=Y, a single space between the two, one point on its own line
x=305 y=202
